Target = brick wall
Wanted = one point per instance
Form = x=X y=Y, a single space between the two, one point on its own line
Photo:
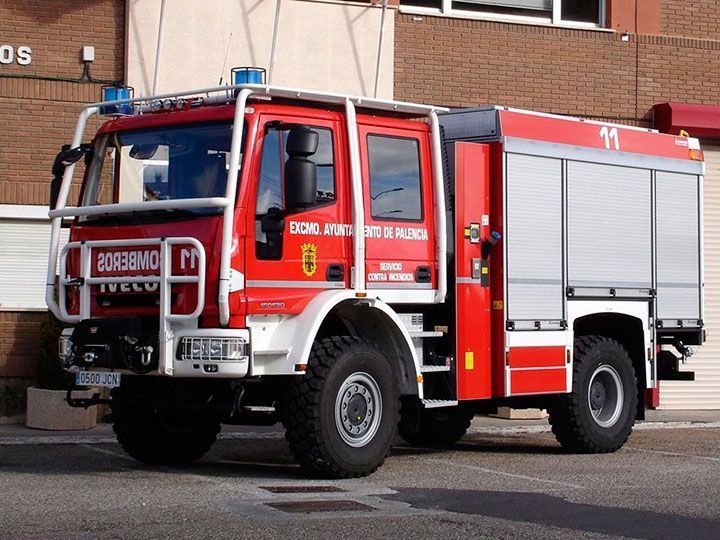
x=696 y=18
x=459 y=62
x=19 y=343
x=38 y=115
x=39 y=104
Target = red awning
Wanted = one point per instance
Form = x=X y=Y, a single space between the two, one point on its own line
x=697 y=120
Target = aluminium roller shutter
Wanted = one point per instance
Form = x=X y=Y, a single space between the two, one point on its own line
x=704 y=391
x=23 y=263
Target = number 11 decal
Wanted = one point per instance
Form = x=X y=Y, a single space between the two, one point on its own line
x=610 y=135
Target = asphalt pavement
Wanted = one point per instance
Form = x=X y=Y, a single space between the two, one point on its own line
x=505 y=479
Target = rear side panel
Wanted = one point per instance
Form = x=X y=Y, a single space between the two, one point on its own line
x=472 y=226
x=678 y=249
x=597 y=218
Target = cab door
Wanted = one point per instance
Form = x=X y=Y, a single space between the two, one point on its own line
x=294 y=255
x=399 y=222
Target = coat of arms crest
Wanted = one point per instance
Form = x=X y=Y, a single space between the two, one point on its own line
x=309 y=259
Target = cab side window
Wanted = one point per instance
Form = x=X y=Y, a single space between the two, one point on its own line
x=269 y=205
x=395 y=189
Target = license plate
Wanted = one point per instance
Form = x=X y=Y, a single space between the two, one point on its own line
x=97 y=378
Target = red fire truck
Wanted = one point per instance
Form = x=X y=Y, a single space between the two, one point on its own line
x=357 y=267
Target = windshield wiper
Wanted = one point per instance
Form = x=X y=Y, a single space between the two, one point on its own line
x=145 y=216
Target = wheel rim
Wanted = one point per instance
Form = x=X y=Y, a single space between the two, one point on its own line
x=605 y=396
x=358 y=409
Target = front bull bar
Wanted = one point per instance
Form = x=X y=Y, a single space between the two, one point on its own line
x=165 y=280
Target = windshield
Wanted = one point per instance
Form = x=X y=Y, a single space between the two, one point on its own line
x=160 y=164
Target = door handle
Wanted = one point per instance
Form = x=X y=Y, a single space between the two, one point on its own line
x=423 y=274
x=335 y=272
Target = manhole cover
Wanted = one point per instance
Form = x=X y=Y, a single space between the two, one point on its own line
x=308 y=507
x=303 y=489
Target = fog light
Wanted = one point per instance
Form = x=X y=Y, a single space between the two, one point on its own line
x=64 y=347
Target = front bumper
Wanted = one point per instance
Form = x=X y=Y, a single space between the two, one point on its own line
x=111 y=354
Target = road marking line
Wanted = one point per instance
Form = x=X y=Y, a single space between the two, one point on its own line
x=83 y=439
x=509 y=475
x=511 y=430
x=498 y=430
x=27 y=441
x=237 y=435
x=676 y=454
x=106 y=452
x=521 y=430
x=677 y=425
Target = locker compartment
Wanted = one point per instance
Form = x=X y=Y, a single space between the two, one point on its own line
x=534 y=241
x=609 y=229
x=678 y=249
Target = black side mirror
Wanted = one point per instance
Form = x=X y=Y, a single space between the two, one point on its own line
x=300 y=172
x=66 y=156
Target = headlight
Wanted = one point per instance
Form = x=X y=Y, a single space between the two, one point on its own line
x=196 y=348
x=213 y=349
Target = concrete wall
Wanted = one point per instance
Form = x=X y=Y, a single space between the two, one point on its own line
x=321 y=45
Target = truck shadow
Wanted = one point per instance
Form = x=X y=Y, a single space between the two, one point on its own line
x=555 y=511
x=485 y=445
x=268 y=459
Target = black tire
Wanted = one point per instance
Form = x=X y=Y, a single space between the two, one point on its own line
x=319 y=441
x=157 y=437
x=433 y=428
x=605 y=425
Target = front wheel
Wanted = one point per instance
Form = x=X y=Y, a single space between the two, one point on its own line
x=599 y=413
x=341 y=417
x=158 y=436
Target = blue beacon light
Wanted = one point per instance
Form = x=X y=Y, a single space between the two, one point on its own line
x=113 y=93
x=247 y=75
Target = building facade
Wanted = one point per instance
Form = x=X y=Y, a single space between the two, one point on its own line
x=650 y=63
x=43 y=81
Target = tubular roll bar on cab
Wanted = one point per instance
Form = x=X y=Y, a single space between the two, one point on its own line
x=244 y=92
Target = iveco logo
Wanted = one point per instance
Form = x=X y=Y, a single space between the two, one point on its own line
x=93 y=330
x=272 y=305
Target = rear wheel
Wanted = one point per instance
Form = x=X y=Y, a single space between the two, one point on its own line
x=598 y=415
x=433 y=427
x=341 y=416
x=159 y=436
